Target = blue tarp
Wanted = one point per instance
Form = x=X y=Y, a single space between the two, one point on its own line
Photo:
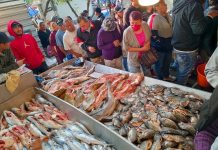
x=32 y=12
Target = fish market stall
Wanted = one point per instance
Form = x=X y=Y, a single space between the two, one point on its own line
x=150 y=113
x=35 y=119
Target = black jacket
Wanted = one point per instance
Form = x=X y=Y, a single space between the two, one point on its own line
x=209 y=111
x=101 y=17
x=90 y=39
x=188 y=24
x=209 y=38
x=44 y=37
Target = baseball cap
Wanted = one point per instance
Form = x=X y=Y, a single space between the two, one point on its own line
x=4 y=38
x=54 y=18
x=118 y=9
x=60 y=21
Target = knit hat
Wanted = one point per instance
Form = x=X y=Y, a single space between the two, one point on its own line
x=109 y=24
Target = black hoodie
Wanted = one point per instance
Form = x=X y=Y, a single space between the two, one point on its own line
x=188 y=24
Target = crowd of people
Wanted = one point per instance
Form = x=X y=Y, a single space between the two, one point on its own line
x=136 y=39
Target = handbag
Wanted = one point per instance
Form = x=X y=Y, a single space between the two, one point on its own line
x=149 y=57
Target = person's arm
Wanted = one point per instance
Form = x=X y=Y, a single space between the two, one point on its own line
x=84 y=46
x=11 y=64
x=197 y=21
x=102 y=45
x=60 y=45
x=211 y=69
x=145 y=48
x=68 y=48
x=42 y=40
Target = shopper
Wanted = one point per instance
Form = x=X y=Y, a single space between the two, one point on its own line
x=87 y=36
x=133 y=7
x=44 y=34
x=25 y=47
x=161 y=27
x=59 y=55
x=60 y=34
x=7 y=60
x=119 y=15
x=211 y=70
x=119 y=12
x=70 y=43
x=149 y=10
x=207 y=126
x=109 y=41
x=136 y=40
x=100 y=16
x=188 y=24
x=209 y=38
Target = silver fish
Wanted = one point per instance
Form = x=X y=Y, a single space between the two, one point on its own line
x=66 y=147
x=46 y=146
x=35 y=131
x=38 y=125
x=54 y=145
x=89 y=139
x=47 y=122
x=11 y=118
x=132 y=135
x=157 y=143
x=75 y=145
x=42 y=100
x=82 y=127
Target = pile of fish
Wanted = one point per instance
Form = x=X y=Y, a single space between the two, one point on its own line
x=39 y=121
x=99 y=97
x=157 y=117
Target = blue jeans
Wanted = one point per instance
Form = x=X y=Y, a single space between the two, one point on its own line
x=125 y=64
x=185 y=61
x=163 y=64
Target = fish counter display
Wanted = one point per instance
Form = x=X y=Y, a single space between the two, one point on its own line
x=149 y=116
x=39 y=121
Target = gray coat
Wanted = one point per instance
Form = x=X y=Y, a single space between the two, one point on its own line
x=211 y=69
x=129 y=40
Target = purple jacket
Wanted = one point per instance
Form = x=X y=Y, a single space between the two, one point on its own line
x=105 y=43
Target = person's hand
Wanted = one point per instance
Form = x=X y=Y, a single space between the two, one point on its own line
x=146 y=47
x=91 y=49
x=116 y=43
x=20 y=62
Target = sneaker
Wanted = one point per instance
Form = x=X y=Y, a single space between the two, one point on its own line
x=170 y=79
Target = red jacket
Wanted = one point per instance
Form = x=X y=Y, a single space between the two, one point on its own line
x=25 y=47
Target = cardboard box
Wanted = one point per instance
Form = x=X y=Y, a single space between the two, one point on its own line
x=27 y=80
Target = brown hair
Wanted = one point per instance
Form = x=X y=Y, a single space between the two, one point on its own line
x=136 y=15
x=80 y=18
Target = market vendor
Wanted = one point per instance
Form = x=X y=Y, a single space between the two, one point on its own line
x=211 y=69
x=7 y=60
x=207 y=125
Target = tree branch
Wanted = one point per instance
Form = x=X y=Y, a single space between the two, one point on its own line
x=71 y=8
x=46 y=8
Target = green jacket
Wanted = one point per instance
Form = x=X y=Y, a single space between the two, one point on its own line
x=7 y=62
